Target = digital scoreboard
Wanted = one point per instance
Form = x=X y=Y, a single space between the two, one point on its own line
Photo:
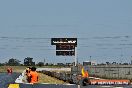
x=64 y=46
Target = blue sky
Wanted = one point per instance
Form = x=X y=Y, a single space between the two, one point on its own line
x=103 y=29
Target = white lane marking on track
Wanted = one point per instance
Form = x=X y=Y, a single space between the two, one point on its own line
x=106 y=86
x=111 y=86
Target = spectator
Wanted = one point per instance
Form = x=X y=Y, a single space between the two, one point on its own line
x=28 y=69
x=9 y=70
x=33 y=75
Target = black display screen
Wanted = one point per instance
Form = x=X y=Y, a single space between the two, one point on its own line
x=65 y=53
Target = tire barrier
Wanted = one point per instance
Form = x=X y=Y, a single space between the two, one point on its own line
x=65 y=76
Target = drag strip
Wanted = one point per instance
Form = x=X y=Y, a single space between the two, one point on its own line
x=6 y=79
x=47 y=86
x=70 y=86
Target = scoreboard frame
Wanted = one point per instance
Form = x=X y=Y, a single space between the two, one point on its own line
x=64 y=46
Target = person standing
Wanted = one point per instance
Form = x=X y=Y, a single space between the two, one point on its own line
x=28 y=79
x=85 y=77
x=33 y=75
x=9 y=70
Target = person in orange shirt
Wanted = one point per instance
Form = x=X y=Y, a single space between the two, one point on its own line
x=33 y=75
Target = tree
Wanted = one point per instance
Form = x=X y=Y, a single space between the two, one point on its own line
x=40 y=64
x=29 y=61
x=13 y=62
x=1 y=64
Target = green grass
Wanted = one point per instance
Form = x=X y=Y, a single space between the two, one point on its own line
x=47 y=79
x=14 y=68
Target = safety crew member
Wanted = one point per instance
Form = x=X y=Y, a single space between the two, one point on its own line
x=33 y=75
x=85 y=77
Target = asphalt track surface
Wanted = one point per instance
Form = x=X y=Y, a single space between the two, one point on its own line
x=6 y=79
x=71 y=86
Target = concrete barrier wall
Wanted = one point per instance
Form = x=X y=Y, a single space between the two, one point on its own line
x=111 y=71
x=54 y=69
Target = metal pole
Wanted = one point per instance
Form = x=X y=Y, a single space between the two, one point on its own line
x=75 y=56
x=131 y=60
x=90 y=59
x=44 y=61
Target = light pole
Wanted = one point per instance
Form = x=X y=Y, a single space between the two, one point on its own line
x=121 y=58
x=75 y=56
x=90 y=58
x=131 y=60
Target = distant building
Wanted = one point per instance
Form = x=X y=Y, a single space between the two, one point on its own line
x=69 y=64
x=89 y=63
x=29 y=61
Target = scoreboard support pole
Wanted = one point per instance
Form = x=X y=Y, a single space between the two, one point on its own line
x=75 y=56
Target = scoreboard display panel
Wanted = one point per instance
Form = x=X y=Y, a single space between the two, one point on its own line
x=65 y=53
x=65 y=47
